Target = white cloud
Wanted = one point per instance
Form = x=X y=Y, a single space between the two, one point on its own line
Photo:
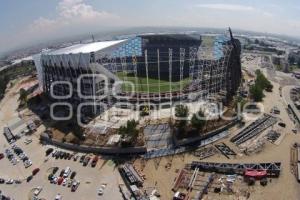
x=72 y=14
x=226 y=7
x=70 y=9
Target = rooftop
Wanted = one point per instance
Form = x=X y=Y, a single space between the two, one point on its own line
x=85 y=48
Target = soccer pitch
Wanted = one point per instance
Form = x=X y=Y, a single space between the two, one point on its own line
x=141 y=85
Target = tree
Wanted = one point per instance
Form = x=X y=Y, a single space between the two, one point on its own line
x=181 y=111
x=262 y=81
x=129 y=129
x=23 y=96
x=198 y=120
x=256 y=93
x=129 y=133
x=240 y=103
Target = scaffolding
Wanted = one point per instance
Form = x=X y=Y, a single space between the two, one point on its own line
x=192 y=73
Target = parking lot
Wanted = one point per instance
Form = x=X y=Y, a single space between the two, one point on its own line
x=90 y=178
x=104 y=173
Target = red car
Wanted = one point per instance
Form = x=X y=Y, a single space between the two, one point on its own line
x=1 y=156
x=94 y=161
x=60 y=180
x=35 y=171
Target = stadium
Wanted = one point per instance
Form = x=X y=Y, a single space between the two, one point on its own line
x=142 y=69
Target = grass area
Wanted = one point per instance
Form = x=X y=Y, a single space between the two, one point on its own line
x=208 y=41
x=141 y=86
x=278 y=67
x=294 y=67
x=11 y=73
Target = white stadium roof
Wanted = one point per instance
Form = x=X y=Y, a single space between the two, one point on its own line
x=85 y=48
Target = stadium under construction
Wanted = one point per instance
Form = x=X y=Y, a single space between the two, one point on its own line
x=142 y=69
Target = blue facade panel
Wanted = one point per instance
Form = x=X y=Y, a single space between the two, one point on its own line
x=220 y=40
x=131 y=47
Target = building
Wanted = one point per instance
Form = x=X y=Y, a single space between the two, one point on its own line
x=161 y=67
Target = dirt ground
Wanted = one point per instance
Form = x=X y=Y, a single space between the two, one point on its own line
x=282 y=188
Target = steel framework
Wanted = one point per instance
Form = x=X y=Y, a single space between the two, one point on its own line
x=273 y=169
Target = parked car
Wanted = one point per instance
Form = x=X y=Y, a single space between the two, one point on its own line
x=35 y=171
x=70 y=182
x=64 y=183
x=60 y=180
x=55 y=169
x=101 y=189
x=14 y=161
x=54 y=153
x=94 y=161
x=73 y=174
x=62 y=172
x=67 y=172
x=18 y=181
x=82 y=158
x=49 y=151
x=1 y=156
x=25 y=158
x=70 y=156
x=9 y=181
x=2 y=181
x=18 y=150
x=29 y=178
x=75 y=185
x=50 y=177
x=86 y=161
x=61 y=154
x=66 y=155
x=57 y=155
x=27 y=163
x=282 y=124
x=58 y=197
x=54 y=180
x=75 y=158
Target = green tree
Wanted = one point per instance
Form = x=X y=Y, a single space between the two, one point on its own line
x=181 y=111
x=23 y=96
x=129 y=129
x=256 y=93
x=262 y=81
x=198 y=120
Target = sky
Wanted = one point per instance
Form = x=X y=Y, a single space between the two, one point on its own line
x=33 y=21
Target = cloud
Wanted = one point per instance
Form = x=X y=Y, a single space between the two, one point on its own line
x=226 y=7
x=70 y=9
x=72 y=14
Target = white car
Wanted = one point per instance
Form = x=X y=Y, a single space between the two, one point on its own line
x=37 y=191
x=101 y=189
x=10 y=181
x=22 y=155
x=58 y=197
x=65 y=181
x=27 y=163
x=14 y=161
x=54 y=180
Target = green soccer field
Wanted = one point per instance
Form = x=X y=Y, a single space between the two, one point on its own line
x=141 y=85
